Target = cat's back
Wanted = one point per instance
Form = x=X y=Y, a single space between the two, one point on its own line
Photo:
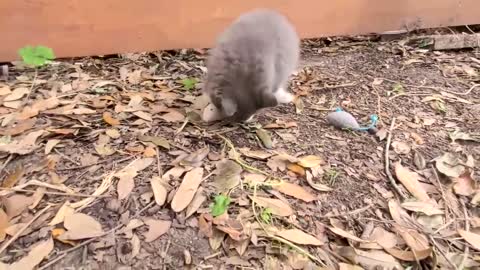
x=259 y=30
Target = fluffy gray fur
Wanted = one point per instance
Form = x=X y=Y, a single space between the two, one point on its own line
x=250 y=65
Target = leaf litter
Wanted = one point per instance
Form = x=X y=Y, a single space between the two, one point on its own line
x=115 y=151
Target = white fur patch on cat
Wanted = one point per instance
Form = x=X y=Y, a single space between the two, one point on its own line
x=283 y=96
x=211 y=113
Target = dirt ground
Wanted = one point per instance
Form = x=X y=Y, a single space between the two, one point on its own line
x=94 y=151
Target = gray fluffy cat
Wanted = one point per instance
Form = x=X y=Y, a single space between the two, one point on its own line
x=250 y=65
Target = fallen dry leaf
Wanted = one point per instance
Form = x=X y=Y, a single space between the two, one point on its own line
x=158 y=141
x=472 y=238
x=296 y=169
x=227 y=175
x=449 y=165
x=265 y=138
x=4 y=224
x=256 y=154
x=295 y=191
x=464 y=184
x=24 y=146
x=81 y=226
x=19 y=127
x=14 y=176
x=187 y=189
x=126 y=176
x=50 y=145
x=16 y=204
x=372 y=259
x=108 y=118
x=173 y=116
x=310 y=161
x=196 y=202
x=159 y=190
x=156 y=228
x=410 y=181
x=35 y=256
x=347 y=235
x=65 y=210
x=409 y=256
x=299 y=237
x=17 y=94
x=401 y=148
x=113 y=133
x=143 y=115
x=276 y=206
x=37 y=107
x=422 y=207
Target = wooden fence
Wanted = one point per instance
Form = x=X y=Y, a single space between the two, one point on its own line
x=96 y=27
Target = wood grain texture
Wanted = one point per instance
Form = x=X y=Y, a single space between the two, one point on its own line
x=95 y=27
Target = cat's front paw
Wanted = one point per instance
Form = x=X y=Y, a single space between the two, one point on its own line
x=283 y=96
x=211 y=113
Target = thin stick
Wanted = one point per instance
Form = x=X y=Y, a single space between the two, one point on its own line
x=96 y=163
x=353 y=212
x=55 y=193
x=444 y=197
x=467 y=228
x=441 y=252
x=65 y=252
x=10 y=157
x=387 y=161
x=19 y=232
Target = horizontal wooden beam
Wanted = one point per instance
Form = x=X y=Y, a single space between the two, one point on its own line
x=96 y=27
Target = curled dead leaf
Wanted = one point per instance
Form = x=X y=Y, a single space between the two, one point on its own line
x=186 y=191
x=299 y=237
x=410 y=181
x=108 y=118
x=156 y=228
x=276 y=206
x=81 y=226
x=295 y=191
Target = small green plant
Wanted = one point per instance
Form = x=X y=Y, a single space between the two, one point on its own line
x=332 y=175
x=36 y=56
x=189 y=83
x=266 y=215
x=220 y=205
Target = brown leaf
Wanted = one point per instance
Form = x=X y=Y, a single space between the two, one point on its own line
x=126 y=175
x=409 y=256
x=380 y=239
x=81 y=226
x=108 y=118
x=296 y=169
x=104 y=150
x=156 y=228
x=256 y=154
x=37 y=107
x=4 y=90
x=113 y=133
x=35 y=256
x=295 y=191
x=158 y=141
x=372 y=259
x=299 y=237
x=411 y=182
x=276 y=206
x=19 y=127
x=415 y=240
x=16 y=204
x=173 y=116
x=17 y=94
x=449 y=165
x=344 y=266
x=310 y=161
x=401 y=148
x=4 y=224
x=347 y=235
x=143 y=115
x=419 y=160
x=13 y=178
x=50 y=145
x=464 y=184
x=472 y=238
x=196 y=202
x=187 y=189
x=422 y=207
x=65 y=210
x=159 y=190
x=24 y=146
x=265 y=138
x=227 y=175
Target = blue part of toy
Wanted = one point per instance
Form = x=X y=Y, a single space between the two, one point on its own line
x=373 y=119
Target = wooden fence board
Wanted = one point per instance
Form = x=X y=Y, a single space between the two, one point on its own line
x=96 y=27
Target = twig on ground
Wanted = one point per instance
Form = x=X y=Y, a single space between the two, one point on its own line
x=19 y=232
x=431 y=88
x=65 y=252
x=387 y=161
x=335 y=86
x=66 y=157
x=467 y=228
x=443 y=253
x=10 y=157
x=55 y=193
x=96 y=163
x=353 y=212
